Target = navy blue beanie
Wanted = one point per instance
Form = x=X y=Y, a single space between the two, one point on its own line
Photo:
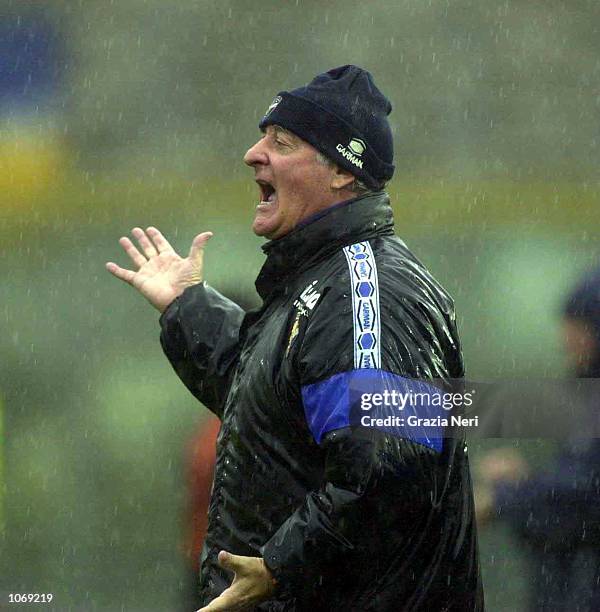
x=342 y=114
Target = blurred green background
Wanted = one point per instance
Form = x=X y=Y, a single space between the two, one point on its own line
x=114 y=115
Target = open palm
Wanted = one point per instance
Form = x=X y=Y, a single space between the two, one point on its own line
x=161 y=274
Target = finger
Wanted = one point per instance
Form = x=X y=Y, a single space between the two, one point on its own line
x=122 y=273
x=140 y=235
x=226 y=602
x=136 y=257
x=160 y=242
x=198 y=244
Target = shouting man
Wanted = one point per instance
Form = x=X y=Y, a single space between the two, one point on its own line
x=313 y=507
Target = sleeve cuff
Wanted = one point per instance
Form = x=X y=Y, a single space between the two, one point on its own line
x=167 y=313
x=284 y=584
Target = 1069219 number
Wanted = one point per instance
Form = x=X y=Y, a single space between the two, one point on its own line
x=30 y=597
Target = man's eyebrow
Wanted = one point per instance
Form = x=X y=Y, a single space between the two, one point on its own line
x=283 y=132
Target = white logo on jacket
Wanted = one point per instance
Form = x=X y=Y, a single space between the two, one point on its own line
x=308 y=298
x=305 y=302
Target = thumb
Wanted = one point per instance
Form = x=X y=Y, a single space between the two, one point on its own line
x=198 y=245
x=229 y=561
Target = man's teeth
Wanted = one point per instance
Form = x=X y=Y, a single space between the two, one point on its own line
x=270 y=199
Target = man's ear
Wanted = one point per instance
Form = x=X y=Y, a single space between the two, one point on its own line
x=341 y=178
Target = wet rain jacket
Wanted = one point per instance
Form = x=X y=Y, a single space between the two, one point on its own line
x=347 y=517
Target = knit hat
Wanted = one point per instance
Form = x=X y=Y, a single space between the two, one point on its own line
x=342 y=114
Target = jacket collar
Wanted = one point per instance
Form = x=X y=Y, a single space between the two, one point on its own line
x=353 y=221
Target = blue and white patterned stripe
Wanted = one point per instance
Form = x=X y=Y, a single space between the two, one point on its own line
x=365 y=305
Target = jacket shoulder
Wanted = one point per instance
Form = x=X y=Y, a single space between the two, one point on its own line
x=384 y=263
x=379 y=302
x=403 y=277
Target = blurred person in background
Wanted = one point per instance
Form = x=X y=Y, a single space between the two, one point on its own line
x=310 y=510
x=200 y=468
x=556 y=513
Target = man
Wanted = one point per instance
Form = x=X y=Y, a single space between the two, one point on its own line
x=556 y=513
x=310 y=509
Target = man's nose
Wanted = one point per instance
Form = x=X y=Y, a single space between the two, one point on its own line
x=256 y=154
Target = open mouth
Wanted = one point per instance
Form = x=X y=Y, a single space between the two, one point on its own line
x=267 y=192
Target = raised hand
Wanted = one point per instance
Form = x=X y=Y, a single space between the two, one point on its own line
x=161 y=274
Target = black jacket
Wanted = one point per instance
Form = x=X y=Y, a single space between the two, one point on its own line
x=347 y=517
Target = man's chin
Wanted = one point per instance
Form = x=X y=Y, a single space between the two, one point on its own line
x=268 y=228
x=263 y=229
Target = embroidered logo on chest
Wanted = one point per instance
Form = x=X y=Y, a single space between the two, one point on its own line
x=308 y=299
x=304 y=304
x=293 y=332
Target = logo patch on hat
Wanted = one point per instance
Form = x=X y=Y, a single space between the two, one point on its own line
x=276 y=101
x=356 y=147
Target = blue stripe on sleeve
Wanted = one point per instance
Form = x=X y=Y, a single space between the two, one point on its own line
x=332 y=394
x=379 y=399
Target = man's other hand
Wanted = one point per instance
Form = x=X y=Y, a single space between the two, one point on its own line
x=252 y=583
x=161 y=274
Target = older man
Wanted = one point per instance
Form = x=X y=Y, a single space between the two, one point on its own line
x=314 y=508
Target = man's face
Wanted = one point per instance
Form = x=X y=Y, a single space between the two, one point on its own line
x=293 y=184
